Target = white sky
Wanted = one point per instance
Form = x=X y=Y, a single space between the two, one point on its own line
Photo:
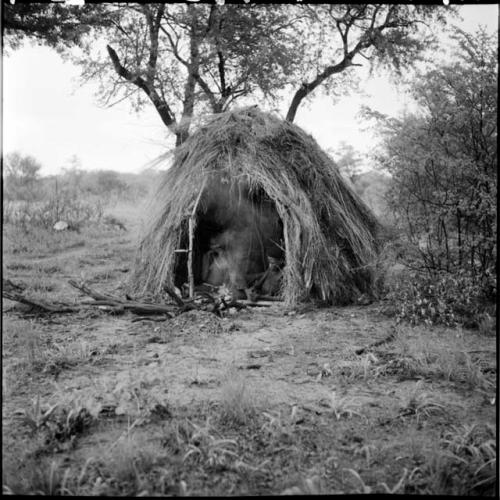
x=48 y=115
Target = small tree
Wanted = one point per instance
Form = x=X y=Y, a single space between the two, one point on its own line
x=73 y=175
x=338 y=37
x=443 y=161
x=52 y=23
x=21 y=175
x=108 y=182
x=348 y=161
x=187 y=59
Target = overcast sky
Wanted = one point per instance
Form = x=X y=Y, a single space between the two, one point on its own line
x=47 y=114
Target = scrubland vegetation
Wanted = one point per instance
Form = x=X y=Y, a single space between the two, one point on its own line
x=264 y=400
x=258 y=402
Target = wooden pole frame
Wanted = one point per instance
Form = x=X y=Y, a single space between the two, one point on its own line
x=191 y=226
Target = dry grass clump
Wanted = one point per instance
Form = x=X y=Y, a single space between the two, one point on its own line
x=443 y=355
x=462 y=463
x=125 y=466
x=32 y=476
x=129 y=468
x=329 y=233
x=238 y=399
x=422 y=404
x=39 y=356
x=38 y=241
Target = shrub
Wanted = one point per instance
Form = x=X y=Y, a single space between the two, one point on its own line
x=442 y=298
x=21 y=176
x=62 y=206
x=443 y=193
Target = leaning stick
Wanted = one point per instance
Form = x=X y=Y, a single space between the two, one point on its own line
x=191 y=239
x=190 y=258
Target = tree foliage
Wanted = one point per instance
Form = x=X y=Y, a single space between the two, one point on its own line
x=52 y=23
x=348 y=161
x=21 y=174
x=443 y=161
x=187 y=59
x=343 y=36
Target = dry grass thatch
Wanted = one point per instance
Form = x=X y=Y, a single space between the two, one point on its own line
x=329 y=233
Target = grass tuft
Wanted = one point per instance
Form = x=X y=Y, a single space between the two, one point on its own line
x=238 y=399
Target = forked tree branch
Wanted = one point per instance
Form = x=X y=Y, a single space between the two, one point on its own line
x=161 y=106
x=366 y=40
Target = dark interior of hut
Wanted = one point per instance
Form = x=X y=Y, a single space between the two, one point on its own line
x=238 y=242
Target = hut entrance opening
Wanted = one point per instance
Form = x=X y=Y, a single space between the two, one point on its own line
x=238 y=242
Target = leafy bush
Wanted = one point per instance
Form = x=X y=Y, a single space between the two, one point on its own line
x=443 y=298
x=104 y=182
x=20 y=176
x=443 y=192
x=73 y=210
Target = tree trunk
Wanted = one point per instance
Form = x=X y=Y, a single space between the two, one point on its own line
x=294 y=106
x=459 y=234
x=306 y=88
x=161 y=106
x=182 y=131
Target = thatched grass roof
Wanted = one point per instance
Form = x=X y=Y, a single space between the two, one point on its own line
x=329 y=233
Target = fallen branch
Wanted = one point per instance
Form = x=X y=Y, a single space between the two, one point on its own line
x=92 y=293
x=116 y=305
x=259 y=303
x=38 y=304
x=9 y=286
x=174 y=296
x=385 y=340
x=143 y=308
x=129 y=305
x=149 y=318
x=268 y=298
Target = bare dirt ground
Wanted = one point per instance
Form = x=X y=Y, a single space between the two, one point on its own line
x=262 y=401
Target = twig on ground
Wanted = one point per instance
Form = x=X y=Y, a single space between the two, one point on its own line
x=37 y=303
x=385 y=340
x=9 y=286
x=149 y=318
x=173 y=295
x=258 y=303
x=116 y=305
x=130 y=305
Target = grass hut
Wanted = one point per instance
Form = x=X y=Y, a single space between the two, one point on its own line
x=247 y=170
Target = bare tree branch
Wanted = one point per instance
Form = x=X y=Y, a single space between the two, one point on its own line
x=161 y=106
x=175 y=46
x=366 y=40
x=154 y=26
